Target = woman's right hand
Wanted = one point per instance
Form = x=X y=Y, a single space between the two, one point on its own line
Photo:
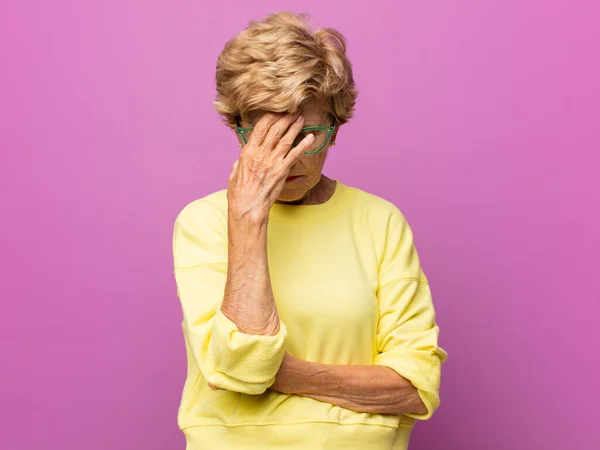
x=258 y=176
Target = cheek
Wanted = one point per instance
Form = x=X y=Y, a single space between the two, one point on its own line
x=311 y=166
x=312 y=163
x=318 y=162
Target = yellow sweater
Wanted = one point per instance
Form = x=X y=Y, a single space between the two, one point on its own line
x=349 y=290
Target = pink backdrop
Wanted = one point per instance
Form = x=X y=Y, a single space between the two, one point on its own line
x=478 y=118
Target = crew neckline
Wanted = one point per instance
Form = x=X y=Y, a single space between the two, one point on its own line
x=322 y=212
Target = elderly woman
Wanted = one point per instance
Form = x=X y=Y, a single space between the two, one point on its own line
x=308 y=321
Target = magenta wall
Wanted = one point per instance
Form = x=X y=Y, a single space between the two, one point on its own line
x=478 y=118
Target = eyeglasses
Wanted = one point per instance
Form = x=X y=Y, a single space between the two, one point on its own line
x=321 y=133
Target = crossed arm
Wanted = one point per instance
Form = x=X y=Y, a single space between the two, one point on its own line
x=362 y=388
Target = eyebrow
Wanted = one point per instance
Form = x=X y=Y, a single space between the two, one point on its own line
x=252 y=125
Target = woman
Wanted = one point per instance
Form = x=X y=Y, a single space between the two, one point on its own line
x=307 y=318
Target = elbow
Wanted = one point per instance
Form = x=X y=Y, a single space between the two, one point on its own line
x=251 y=364
x=233 y=361
x=250 y=359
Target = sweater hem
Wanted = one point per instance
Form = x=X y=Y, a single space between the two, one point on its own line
x=313 y=435
x=280 y=424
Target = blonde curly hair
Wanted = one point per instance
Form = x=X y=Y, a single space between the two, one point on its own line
x=280 y=64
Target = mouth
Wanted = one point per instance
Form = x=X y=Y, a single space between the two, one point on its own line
x=290 y=179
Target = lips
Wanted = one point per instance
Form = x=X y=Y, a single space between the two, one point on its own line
x=292 y=178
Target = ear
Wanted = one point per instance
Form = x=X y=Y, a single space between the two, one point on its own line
x=333 y=138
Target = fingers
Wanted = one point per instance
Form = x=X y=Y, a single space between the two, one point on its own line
x=287 y=140
x=277 y=130
x=272 y=139
x=295 y=153
x=262 y=127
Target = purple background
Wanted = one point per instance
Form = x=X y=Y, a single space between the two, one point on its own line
x=479 y=119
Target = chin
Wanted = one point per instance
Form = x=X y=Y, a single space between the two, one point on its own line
x=292 y=195
x=291 y=198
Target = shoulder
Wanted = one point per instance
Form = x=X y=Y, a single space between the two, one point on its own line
x=200 y=232
x=377 y=209
x=210 y=209
x=393 y=238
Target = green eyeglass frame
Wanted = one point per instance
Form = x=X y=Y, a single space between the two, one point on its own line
x=330 y=130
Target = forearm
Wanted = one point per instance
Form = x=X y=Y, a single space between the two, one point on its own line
x=363 y=388
x=248 y=300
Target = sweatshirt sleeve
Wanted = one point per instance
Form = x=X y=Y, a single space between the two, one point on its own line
x=227 y=358
x=407 y=333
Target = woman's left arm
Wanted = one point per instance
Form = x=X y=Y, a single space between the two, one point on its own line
x=405 y=375
x=370 y=389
